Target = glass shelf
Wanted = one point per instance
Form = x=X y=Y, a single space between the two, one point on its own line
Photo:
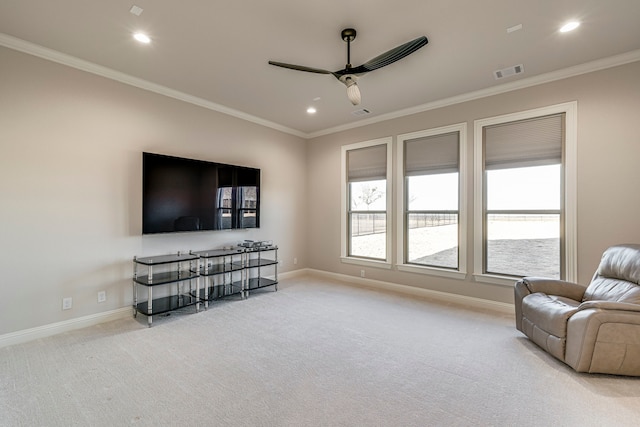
x=165 y=259
x=165 y=277
x=164 y=270
x=262 y=262
x=166 y=304
x=260 y=282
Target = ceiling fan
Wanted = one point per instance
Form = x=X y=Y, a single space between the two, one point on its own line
x=349 y=75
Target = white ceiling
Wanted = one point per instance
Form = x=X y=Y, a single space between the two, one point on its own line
x=216 y=52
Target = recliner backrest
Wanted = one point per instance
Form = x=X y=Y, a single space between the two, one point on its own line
x=618 y=276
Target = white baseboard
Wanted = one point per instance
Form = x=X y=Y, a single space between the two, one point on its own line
x=25 y=335
x=446 y=297
x=293 y=274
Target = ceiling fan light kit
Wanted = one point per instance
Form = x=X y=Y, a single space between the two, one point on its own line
x=353 y=91
x=349 y=75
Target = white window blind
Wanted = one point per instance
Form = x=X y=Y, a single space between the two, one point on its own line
x=531 y=142
x=367 y=164
x=432 y=154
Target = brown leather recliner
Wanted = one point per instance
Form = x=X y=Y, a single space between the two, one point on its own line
x=594 y=329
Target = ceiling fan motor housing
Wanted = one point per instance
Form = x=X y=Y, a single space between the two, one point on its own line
x=348 y=34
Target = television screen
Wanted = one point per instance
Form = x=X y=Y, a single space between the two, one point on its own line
x=192 y=195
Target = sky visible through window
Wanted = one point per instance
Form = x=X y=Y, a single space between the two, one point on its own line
x=433 y=192
x=530 y=188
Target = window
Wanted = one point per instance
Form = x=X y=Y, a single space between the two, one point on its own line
x=525 y=191
x=431 y=232
x=366 y=203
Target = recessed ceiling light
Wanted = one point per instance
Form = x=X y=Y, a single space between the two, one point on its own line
x=514 y=28
x=311 y=110
x=136 y=10
x=142 y=38
x=569 y=26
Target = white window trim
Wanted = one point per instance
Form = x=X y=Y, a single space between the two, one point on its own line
x=570 y=187
x=461 y=273
x=344 y=242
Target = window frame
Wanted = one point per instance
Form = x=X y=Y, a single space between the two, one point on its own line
x=345 y=208
x=401 y=206
x=569 y=189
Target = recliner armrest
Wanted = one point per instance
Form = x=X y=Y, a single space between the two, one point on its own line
x=532 y=285
x=609 y=305
x=556 y=287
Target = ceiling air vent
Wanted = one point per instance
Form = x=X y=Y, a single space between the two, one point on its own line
x=508 y=72
x=361 y=112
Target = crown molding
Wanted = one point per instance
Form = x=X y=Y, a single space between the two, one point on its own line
x=588 y=67
x=71 y=61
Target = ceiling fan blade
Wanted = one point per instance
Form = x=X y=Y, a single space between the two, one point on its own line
x=390 y=57
x=300 y=68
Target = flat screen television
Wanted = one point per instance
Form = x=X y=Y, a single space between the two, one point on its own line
x=181 y=194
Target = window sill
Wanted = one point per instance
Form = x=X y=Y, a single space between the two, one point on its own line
x=432 y=271
x=495 y=279
x=366 y=262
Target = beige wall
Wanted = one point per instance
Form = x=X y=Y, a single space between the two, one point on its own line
x=70 y=181
x=70 y=186
x=608 y=172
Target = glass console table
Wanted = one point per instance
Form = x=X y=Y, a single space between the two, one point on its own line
x=261 y=268
x=210 y=275
x=164 y=270
x=221 y=271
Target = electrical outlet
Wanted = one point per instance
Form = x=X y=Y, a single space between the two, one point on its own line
x=295 y=261
x=102 y=296
x=67 y=303
x=361 y=273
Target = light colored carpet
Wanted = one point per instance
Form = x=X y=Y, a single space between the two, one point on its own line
x=315 y=353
